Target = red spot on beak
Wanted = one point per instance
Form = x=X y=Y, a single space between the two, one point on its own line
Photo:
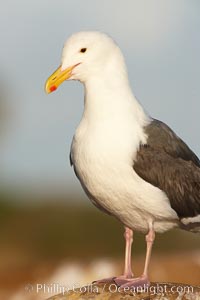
x=53 y=88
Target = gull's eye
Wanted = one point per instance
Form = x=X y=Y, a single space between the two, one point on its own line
x=83 y=50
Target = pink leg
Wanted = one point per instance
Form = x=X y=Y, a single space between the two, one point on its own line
x=150 y=237
x=128 y=274
x=143 y=279
x=128 y=235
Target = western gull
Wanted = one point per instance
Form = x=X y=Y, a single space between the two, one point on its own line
x=130 y=165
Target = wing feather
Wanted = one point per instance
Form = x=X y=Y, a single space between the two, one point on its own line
x=168 y=163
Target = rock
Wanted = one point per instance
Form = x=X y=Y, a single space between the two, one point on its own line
x=110 y=291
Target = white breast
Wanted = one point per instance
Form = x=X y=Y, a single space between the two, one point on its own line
x=103 y=156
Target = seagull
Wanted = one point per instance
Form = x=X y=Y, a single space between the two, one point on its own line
x=129 y=164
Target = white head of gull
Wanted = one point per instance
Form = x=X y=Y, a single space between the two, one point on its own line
x=130 y=165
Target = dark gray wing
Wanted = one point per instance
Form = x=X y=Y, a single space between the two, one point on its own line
x=161 y=137
x=168 y=163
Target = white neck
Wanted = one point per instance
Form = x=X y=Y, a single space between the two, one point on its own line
x=110 y=96
x=113 y=120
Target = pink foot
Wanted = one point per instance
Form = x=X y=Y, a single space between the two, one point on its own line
x=141 y=281
x=104 y=280
x=120 y=279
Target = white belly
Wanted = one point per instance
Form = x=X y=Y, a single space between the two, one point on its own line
x=107 y=175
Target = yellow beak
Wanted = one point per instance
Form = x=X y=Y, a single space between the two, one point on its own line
x=57 y=78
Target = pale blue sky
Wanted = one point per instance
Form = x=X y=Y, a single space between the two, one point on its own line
x=161 y=43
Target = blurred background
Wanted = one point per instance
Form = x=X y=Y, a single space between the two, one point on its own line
x=49 y=231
